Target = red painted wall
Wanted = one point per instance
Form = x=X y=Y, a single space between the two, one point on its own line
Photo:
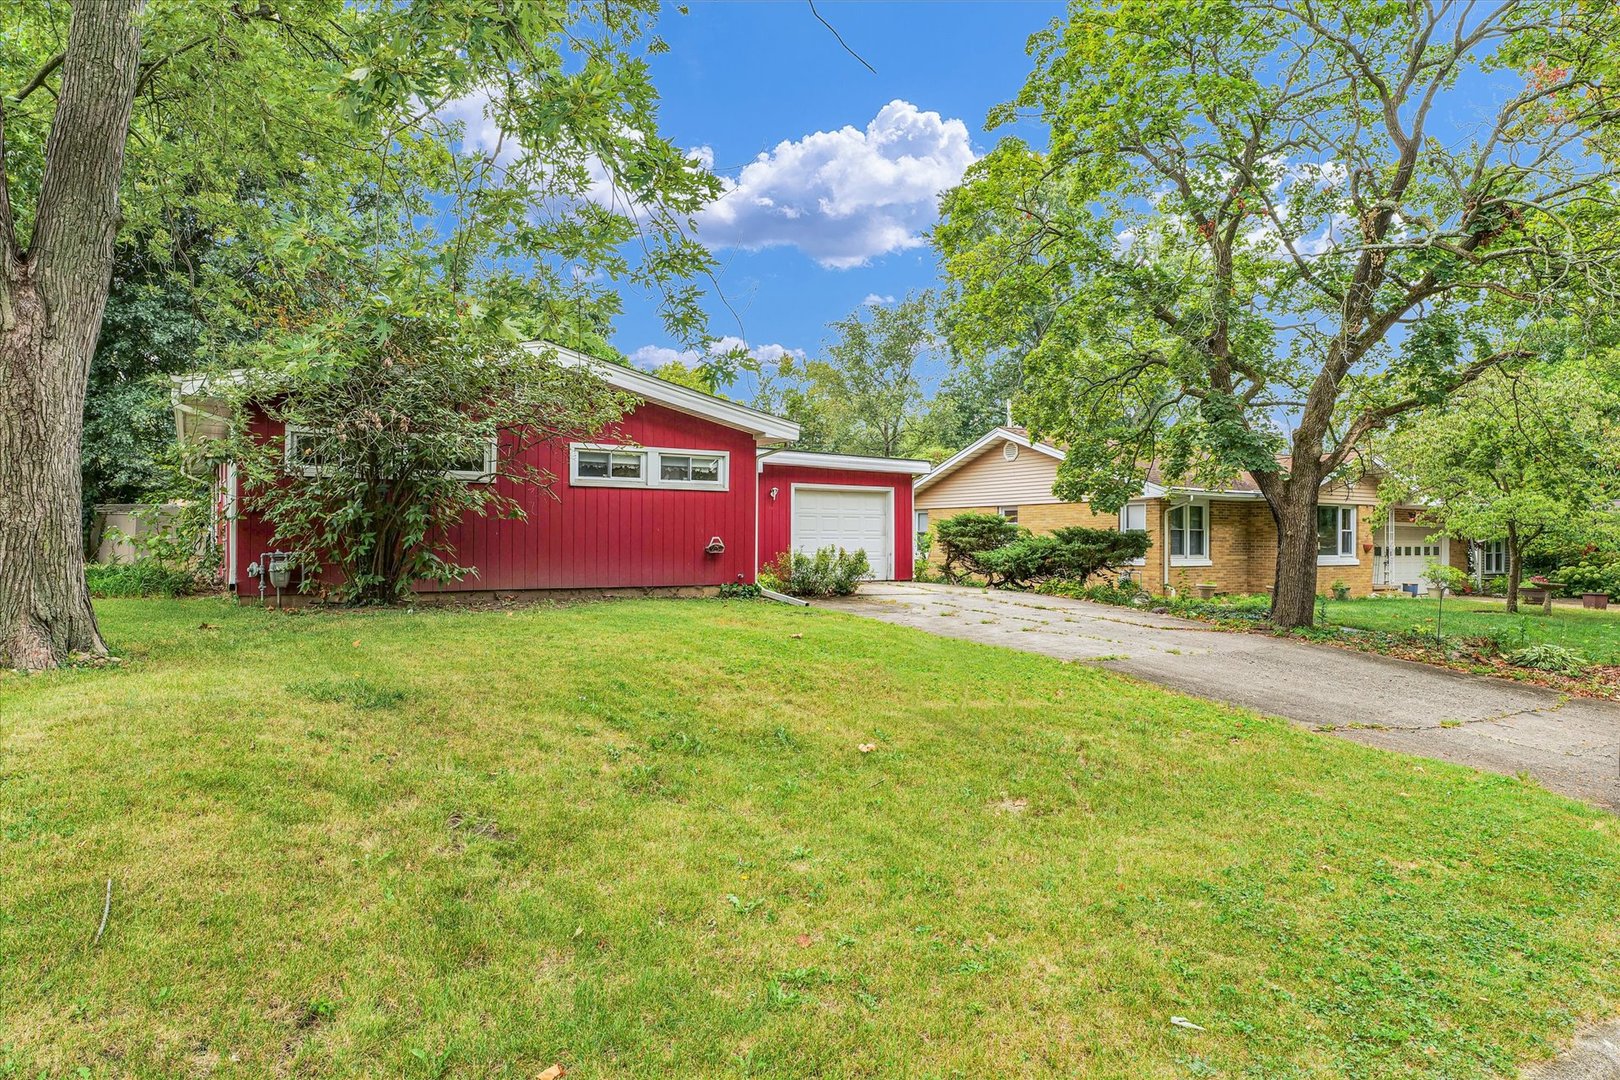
x=776 y=518
x=596 y=537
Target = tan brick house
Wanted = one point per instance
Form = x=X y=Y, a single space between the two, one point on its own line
x=1226 y=538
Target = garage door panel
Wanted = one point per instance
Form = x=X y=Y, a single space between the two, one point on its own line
x=852 y=520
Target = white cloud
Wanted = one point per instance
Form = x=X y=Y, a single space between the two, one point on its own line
x=650 y=357
x=874 y=300
x=844 y=197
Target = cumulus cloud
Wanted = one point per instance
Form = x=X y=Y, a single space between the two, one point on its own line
x=846 y=196
x=651 y=357
x=842 y=197
x=874 y=300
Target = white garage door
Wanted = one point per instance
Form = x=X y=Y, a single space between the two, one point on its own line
x=852 y=520
x=1407 y=557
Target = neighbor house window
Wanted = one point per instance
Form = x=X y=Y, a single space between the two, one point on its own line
x=1336 y=533
x=1009 y=512
x=922 y=523
x=1189 y=533
x=1133 y=516
x=648 y=466
x=1493 y=557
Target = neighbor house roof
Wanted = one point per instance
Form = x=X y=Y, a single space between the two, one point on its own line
x=1242 y=487
x=199 y=412
x=995 y=436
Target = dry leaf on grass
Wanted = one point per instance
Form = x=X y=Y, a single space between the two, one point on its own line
x=553 y=1073
x=803 y=940
x=867 y=747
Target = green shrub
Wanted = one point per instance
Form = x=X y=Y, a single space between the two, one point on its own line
x=1593 y=577
x=966 y=538
x=1122 y=593
x=1072 y=554
x=1546 y=656
x=144 y=577
x=737 y=590
x=829 y=572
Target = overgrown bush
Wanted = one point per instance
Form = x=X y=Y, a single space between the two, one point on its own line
x=829 y=572
x=738 y=590
x=1071 y=554
x=966 y=538
x=143 y=577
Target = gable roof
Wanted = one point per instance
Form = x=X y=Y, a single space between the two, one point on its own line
x=762 y=425
x=198 y=411
x=994 y=437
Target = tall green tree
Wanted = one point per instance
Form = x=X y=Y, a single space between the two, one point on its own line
x=1529 y=457
x=1249 y=242
x=248 y=119
x=863 y=395
x=972 y=398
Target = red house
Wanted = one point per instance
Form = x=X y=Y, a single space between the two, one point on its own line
x=688 y=491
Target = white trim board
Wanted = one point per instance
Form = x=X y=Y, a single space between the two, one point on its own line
x=811 y=459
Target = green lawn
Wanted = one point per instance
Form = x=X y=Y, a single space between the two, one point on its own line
x=640 y=839
x=1593 y=634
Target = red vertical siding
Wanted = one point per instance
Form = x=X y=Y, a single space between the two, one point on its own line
x=598 y=537
x=776 y=516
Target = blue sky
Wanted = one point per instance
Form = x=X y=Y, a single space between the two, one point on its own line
x=834 y=211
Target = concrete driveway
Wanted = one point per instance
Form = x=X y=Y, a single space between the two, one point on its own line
x=1571 y=745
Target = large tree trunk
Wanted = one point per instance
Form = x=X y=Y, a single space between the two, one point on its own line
x=1293 y=597
x=51 y=302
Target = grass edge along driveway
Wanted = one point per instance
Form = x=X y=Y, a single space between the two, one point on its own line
x=1595 y=635
x=641 y=839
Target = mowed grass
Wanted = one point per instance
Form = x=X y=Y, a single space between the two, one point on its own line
x=640 y=839
x=1593 y=634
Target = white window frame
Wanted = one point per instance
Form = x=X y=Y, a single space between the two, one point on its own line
x=1493 y=551
x=651 y=467
x=292 y=433
x=1342 y=557
x=290 y=436
x=1125 y=525
x=919 y=521
x=486 y=475
x=1170 y=530
x=1008 y=512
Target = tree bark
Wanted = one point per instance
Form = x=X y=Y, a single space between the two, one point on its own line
x=1515 y=568
x=51 y=302
x=1293 y=596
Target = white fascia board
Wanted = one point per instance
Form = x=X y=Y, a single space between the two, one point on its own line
x=811 y=459
x=761 y=425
